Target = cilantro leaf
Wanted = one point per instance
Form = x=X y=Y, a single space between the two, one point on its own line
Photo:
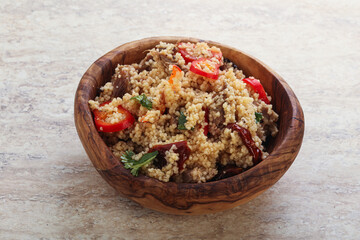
x=258 y=117
x=181 y=122
x=130 y=163
x=143 y=100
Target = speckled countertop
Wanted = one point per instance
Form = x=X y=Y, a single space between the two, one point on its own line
x=48 y=187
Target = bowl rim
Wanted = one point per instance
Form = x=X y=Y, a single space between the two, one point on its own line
x=240 y=181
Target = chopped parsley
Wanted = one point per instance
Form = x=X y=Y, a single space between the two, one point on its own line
x=130 y=163
x=181 y=122
x=143 y=100
x=258 y=117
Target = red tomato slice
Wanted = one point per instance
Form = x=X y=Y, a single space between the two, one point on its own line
x=206 y=68
x=258 y=88
x=102 y=126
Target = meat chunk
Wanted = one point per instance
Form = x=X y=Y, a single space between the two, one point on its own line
x=184 y=177
x=109 y=138
x=121 y=83
x=165 y=60
x=227 y=64
x=216 y=121
x=227 y=171
x=269 y=117
x=142 y=65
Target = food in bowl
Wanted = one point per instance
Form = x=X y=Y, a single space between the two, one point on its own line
x=184 y=114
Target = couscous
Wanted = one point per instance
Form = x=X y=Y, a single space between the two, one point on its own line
x=184 y=114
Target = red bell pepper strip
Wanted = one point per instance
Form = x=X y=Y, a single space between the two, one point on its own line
x=188 y=57
x=217 y=55
x=185 y=49
x=181 y=148
x=206 y=68
x=247 y=140
x=176 y=73
x=258 y=88
x=103 y=126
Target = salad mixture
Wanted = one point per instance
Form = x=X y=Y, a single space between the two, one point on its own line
x=184 y=114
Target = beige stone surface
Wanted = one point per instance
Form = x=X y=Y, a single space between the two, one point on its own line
x=48 y=187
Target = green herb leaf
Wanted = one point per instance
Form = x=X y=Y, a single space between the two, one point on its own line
x=258 y=117
x=126 y=158
x=181 y=122
x=130 y=163
x=143 y=100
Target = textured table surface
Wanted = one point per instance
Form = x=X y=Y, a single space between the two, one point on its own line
x=48 y=187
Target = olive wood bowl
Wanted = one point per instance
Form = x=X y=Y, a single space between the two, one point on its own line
x=191 y=198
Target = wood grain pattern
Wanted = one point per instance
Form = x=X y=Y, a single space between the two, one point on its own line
x=187 y=198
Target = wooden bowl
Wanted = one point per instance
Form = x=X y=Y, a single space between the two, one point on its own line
x=189 y=198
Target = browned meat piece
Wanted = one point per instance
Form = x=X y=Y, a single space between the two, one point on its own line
x=227 y=171
x=184 y=177
x=227 y=64
x=109 y=138
x=214 y=130
x=216 y=124
x=142 y=65
x=164 y=60
x=121 y=84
